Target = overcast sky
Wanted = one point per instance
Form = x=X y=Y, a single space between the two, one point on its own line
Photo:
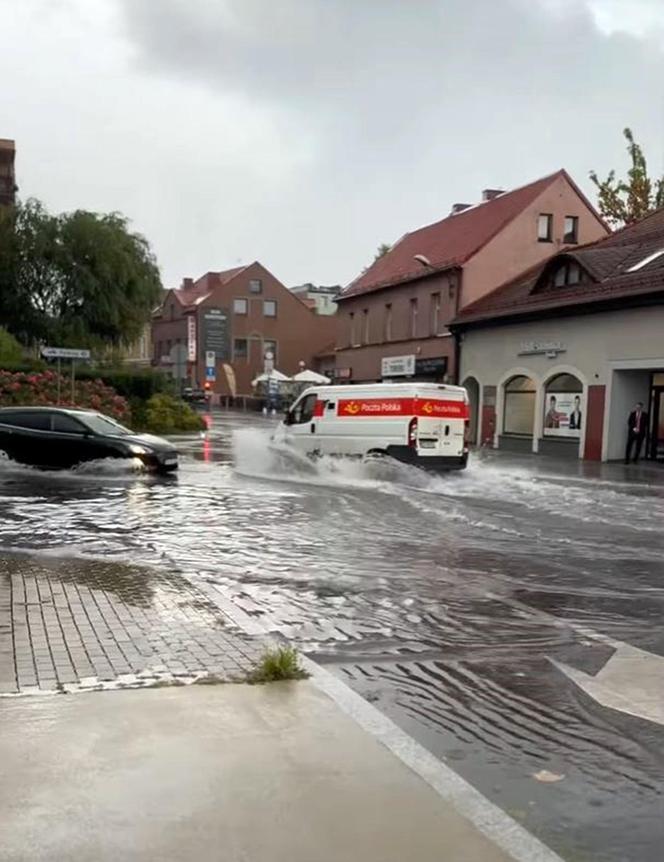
x=303 y=133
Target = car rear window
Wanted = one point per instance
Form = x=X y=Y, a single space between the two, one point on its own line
x=23 y=419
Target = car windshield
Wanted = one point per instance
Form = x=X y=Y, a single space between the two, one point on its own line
x=103 y=424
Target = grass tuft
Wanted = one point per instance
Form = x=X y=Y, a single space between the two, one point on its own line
x=278 y=663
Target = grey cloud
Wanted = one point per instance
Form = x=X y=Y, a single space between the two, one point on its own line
x=409 y=104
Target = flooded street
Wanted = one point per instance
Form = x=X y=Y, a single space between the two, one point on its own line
x=470 y=608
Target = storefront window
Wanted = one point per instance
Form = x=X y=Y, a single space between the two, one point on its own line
x=519 y=413
x=563 y=407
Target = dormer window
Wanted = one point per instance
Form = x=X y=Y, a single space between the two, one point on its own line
x=567 y=273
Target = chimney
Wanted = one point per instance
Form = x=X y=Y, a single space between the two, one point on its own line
x=187 y=283
x=459 y=208
x=490 y=194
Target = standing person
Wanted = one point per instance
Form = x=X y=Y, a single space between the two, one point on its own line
x=575 y=415
x=637 y=427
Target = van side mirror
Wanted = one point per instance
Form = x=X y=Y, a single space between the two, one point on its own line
x=288 y=418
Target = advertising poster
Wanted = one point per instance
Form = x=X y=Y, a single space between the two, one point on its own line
x=563 y=414
x=216 y=333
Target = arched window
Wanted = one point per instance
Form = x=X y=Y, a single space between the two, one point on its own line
x=519 y=410
x=563 y=407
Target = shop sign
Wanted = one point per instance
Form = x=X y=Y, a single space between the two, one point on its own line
x=398 y=366
x=436 y=366
x=541 y=348
x=563 y=414
x=343 y=373
x=191 y=338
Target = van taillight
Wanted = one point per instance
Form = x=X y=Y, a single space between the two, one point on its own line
x=412 y=432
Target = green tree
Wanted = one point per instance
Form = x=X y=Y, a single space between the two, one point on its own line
x=382 y=250
x=623 y=202
x=76 y=279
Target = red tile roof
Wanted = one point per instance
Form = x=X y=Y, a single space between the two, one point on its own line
x=606 y=262
x=450 y=242
x=203 y=286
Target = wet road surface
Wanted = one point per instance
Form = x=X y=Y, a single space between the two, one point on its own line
x=453 y=603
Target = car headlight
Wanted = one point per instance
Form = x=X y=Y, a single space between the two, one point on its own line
x=135 y=449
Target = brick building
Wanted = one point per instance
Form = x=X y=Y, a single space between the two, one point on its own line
x=239 y=315
x=393 y=319
x=8 y=186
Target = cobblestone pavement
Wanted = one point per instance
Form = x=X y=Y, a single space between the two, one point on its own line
x=74 y=624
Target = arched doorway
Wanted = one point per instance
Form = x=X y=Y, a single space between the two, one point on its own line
x=472 y=387
x=519 y=396
x=564 y=420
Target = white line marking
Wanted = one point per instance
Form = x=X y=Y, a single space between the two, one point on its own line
x=491 y=820
x=631 y=681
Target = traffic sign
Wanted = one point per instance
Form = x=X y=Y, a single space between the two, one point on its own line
x=64 y=353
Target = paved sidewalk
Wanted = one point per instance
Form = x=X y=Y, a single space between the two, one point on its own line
x=71 y=623
x=236 y=773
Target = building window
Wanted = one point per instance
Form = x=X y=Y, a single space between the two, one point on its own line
x=365 y=326
x=563 y=407
x=240 y=306
x=240 y=348
x=519 y=409
x=388 y=322
x=270 y=346
x=571 y=229
x=269 y=308
x=351 y=318
x=545 y=227
x=568 y=273
x=171 y=309
x=413 y=317
x=435 y=313
x=255 y=285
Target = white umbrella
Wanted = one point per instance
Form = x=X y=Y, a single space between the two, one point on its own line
x=309 y=376
x=272 y=375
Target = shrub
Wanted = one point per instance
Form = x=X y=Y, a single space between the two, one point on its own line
x=278 y=663
x=141 y=384
x=40 y=388
x=10 y=350
x=164 y=414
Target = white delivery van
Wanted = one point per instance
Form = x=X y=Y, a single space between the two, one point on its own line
x=417 y=423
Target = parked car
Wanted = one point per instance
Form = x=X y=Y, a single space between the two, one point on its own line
x=55 y=437
x=195 y=396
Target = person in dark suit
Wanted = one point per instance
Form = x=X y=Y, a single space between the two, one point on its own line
x=637 y=428
x=575 y=415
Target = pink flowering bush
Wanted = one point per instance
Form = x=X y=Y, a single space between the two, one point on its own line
x=41 y=388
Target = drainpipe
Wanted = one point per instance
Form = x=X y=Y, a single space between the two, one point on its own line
x=458 y=336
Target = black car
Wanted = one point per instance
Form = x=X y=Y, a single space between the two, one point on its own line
x=195 y=396
x=54 y=437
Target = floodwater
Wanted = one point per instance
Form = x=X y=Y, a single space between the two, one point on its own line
x=450 y=602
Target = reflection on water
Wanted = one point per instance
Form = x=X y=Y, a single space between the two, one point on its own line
x=439 y=595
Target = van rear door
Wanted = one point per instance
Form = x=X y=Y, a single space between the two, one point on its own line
x=441 y=425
